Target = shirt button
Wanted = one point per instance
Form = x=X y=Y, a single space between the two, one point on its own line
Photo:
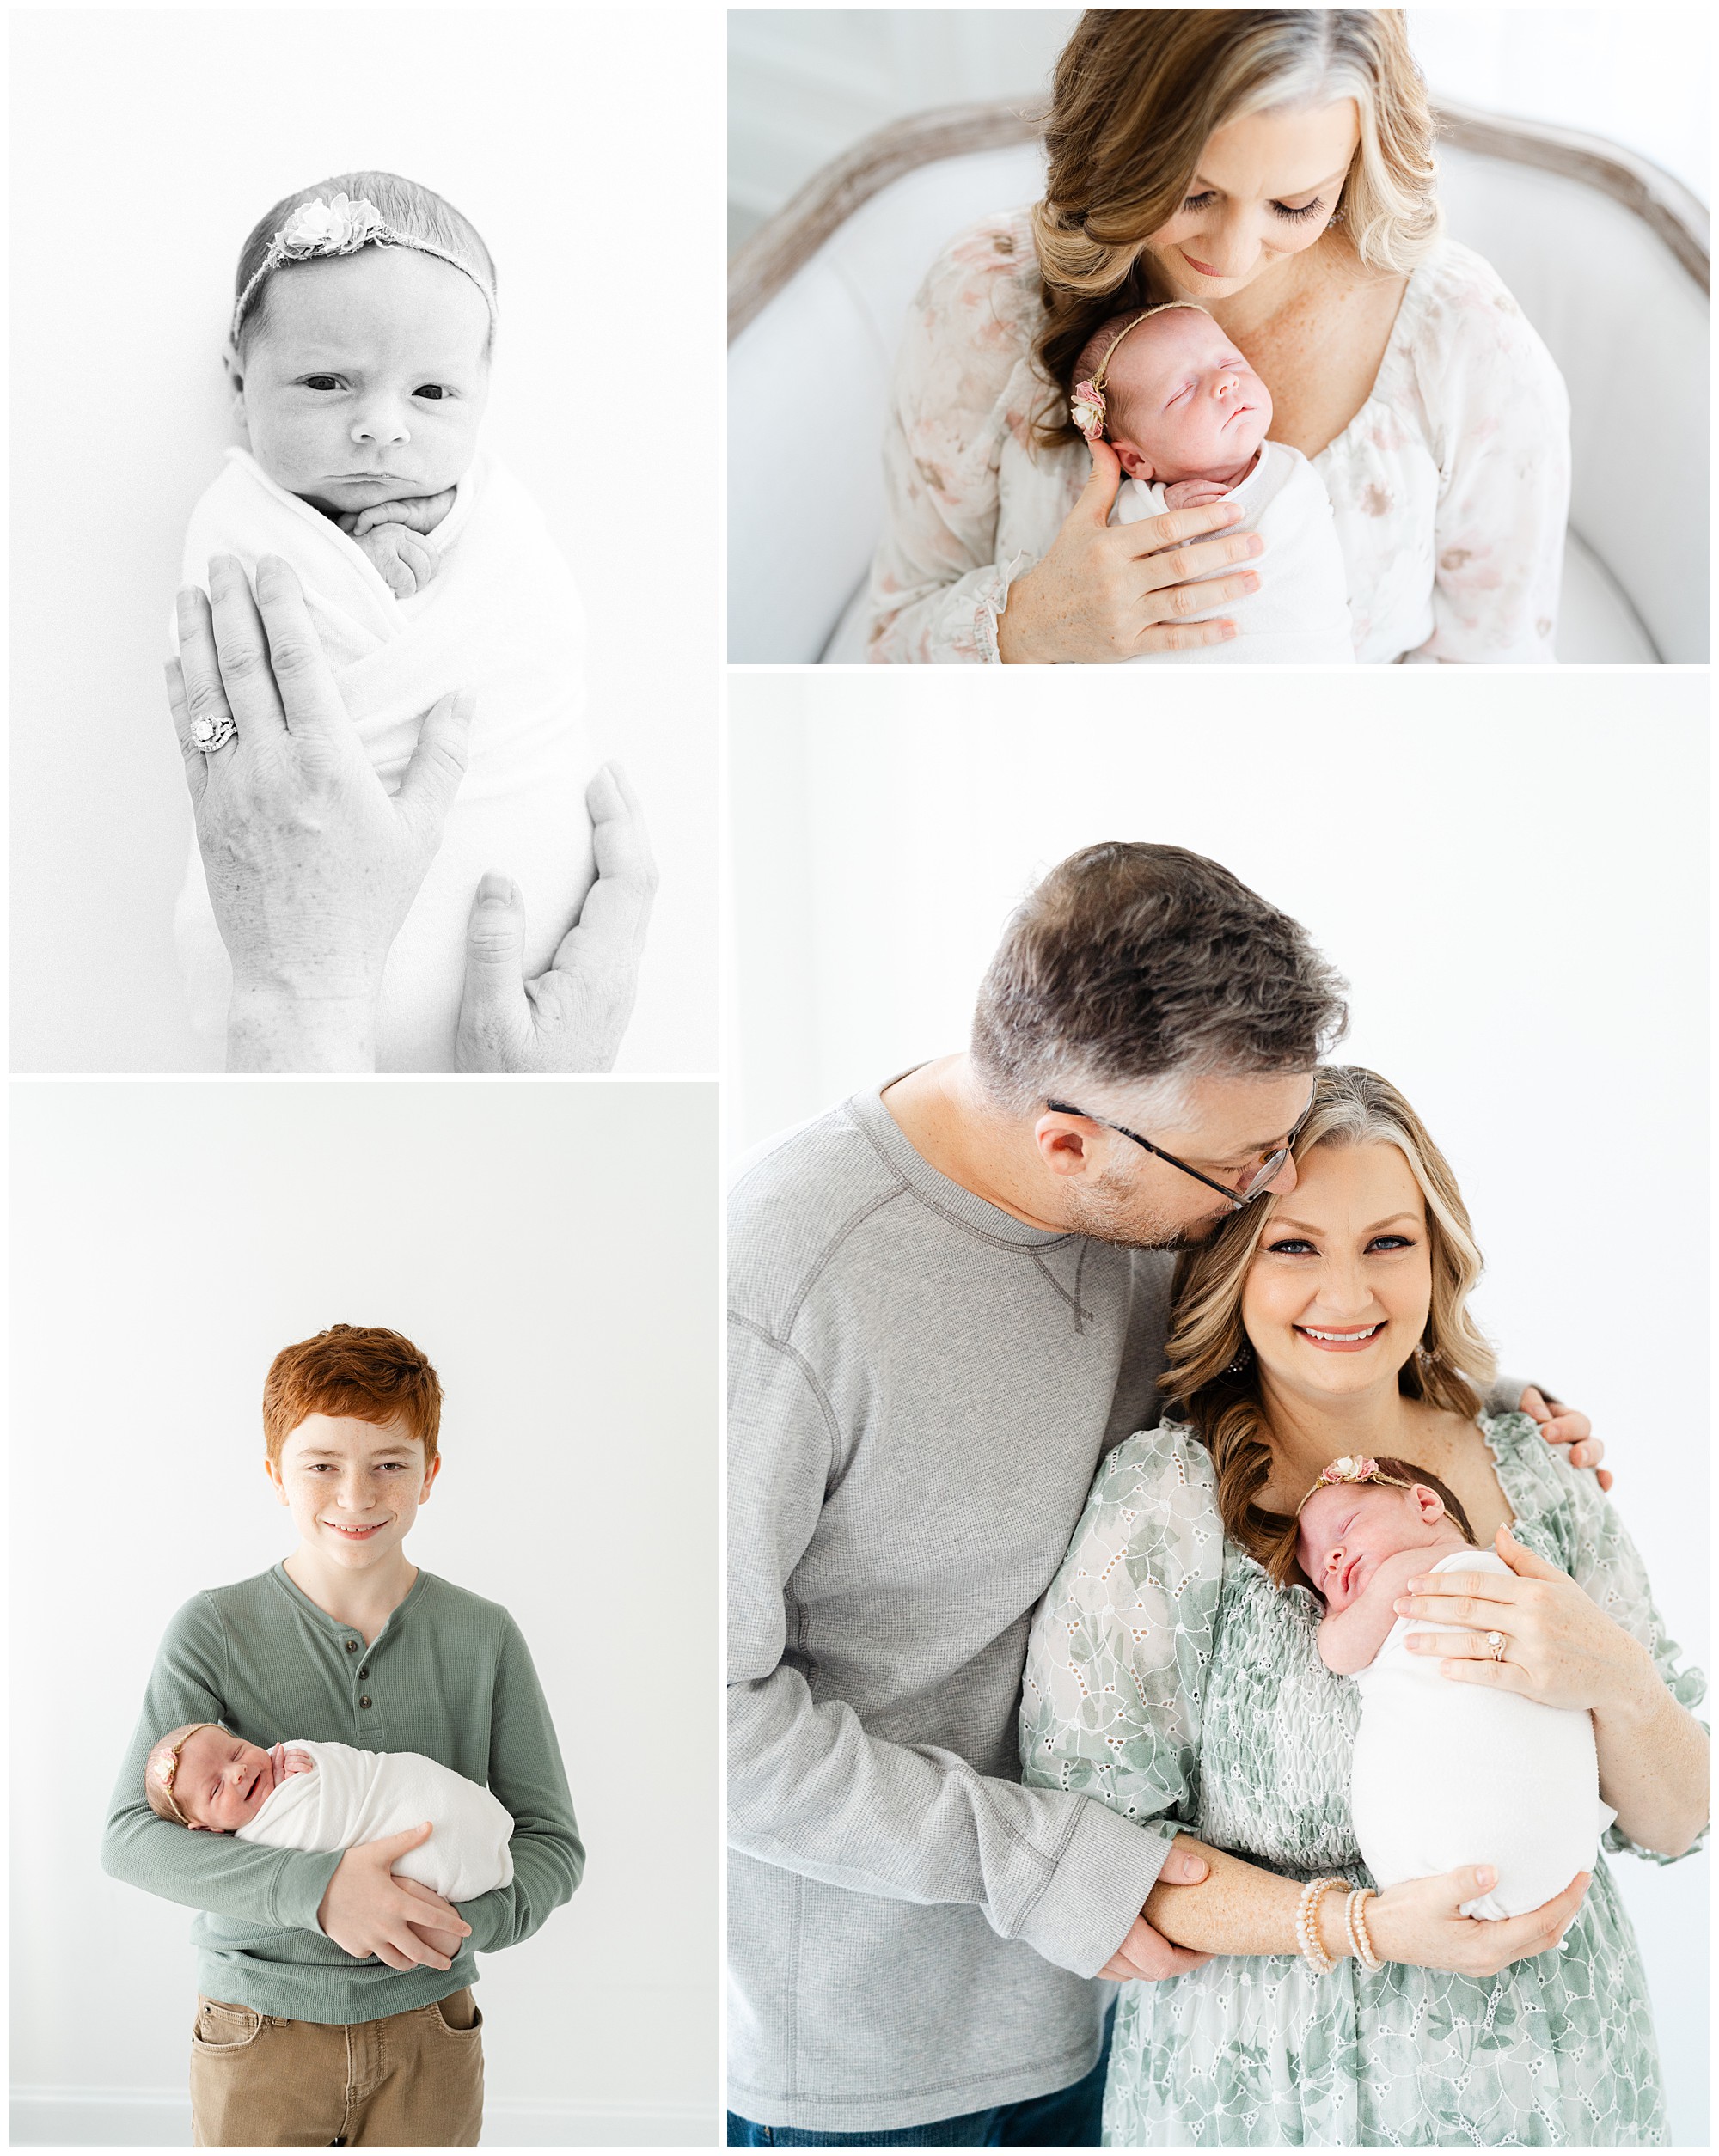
x=352 y=1646
x=365 y=1670
x=364 y=1699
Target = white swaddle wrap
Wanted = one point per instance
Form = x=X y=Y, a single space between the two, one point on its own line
x=355 y=1796
x=1300 y=614
x=1447 y=1773
x=502 y=617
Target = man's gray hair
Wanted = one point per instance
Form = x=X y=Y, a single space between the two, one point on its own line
x=1136 y=965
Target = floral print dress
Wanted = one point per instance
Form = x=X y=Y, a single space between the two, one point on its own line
x=1167 y=1677
x=1450 y=485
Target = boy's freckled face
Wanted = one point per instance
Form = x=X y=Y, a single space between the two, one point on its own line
x=1349 y=1527
x=222 y=1782
x=1185 y=404
x=353 y=1488
x=367 y=377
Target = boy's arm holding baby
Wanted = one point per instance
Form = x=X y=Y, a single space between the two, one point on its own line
x=349 y=1896
x=393 y=533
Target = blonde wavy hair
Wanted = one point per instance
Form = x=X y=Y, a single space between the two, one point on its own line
x=1451 y=1369
x=1137 y=94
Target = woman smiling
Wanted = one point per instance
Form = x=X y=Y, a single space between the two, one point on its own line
x=1274 y=166
x=1172 y=1677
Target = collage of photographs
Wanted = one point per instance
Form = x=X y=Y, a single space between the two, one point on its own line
x=1033 y=1285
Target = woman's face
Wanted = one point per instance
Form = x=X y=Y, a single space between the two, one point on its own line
x=1336 y=1299
x=1266 y=188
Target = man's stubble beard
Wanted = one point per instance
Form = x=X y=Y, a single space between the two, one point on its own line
x=1109 y=1212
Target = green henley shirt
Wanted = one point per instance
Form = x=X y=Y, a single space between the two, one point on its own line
x=448 y=1676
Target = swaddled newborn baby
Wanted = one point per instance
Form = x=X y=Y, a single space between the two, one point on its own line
x=1188 y=419
x=360 y=361
x=1446 y=1773
x=299 y=1795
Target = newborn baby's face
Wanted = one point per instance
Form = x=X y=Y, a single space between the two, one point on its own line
x=1348 y=1528
x=222 y=1780
x=367 y=377
x=1183 y=403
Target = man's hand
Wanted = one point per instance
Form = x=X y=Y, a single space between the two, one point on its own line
x=1567 y=1426
x=571 y=1017
x=366 y=1910
x=1145 y=1956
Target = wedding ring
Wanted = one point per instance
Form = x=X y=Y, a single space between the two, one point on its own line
x=211 y=731
x=1496 y=1642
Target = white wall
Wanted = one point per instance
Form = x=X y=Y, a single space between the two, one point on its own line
x=806 y=83
x=145 y=142
x=552 y=1248
x=1511 y=868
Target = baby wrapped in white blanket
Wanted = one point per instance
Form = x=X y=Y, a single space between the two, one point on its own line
x=1187 y=417
x=349 y=1796
x=1445 y=1774
x=361 y=360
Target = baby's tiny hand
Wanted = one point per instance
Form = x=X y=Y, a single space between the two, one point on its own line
x=1193 y=493
x=422 y=513
x=406 y=565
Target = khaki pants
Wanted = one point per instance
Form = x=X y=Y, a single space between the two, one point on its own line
x=411 y=2080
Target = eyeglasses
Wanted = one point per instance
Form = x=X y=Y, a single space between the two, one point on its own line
x=1259 y=1178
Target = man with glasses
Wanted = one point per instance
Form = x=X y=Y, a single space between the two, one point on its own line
x=949 y=1300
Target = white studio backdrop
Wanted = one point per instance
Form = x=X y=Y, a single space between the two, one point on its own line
x=557 y=1263
x=806 y=84
x=145 y=142
x=1513 y=879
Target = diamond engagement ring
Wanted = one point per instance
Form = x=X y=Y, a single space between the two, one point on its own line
x=1496 y=1642
x=209 y=733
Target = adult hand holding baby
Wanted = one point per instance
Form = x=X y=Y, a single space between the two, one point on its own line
x=572 y=1017
x=366 y=1910
x=1109 y=592
x=311 y=865
x=1420 y=1922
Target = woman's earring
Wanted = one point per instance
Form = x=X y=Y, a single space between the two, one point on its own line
x=1424 y=1355
x=1240 y=1361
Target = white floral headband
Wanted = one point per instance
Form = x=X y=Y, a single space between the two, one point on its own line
x=342 y=225
x=1351 y=1468
x=1086 y=408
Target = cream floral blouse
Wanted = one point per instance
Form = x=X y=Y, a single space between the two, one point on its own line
x=1451 y=485
x=1169 y=1678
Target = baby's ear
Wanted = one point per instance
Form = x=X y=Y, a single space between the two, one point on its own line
x=1431 y=1504
x=1133 y=462
x=235 y=384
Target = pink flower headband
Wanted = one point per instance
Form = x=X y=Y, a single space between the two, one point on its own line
x=164 y=1765
x=341 y=225
x=1351 y=1470
x=1086 y=408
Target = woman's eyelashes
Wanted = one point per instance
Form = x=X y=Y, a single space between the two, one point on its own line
x=1279 y=209
x=1383 y=1245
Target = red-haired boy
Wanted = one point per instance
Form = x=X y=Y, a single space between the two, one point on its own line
x=336 y=2005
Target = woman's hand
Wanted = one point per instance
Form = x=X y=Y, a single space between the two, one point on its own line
x=311 y=866
x=571 y=1017
x=1418 y=1922
x=1111 y=592
x=1559 y=1647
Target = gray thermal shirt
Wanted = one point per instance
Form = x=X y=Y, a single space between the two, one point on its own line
x=921 y=1390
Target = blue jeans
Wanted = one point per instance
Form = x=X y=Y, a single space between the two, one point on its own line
x=1067 y=2118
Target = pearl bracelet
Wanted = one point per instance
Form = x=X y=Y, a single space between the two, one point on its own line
x=1308 y=1925
x=1355 y=1923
